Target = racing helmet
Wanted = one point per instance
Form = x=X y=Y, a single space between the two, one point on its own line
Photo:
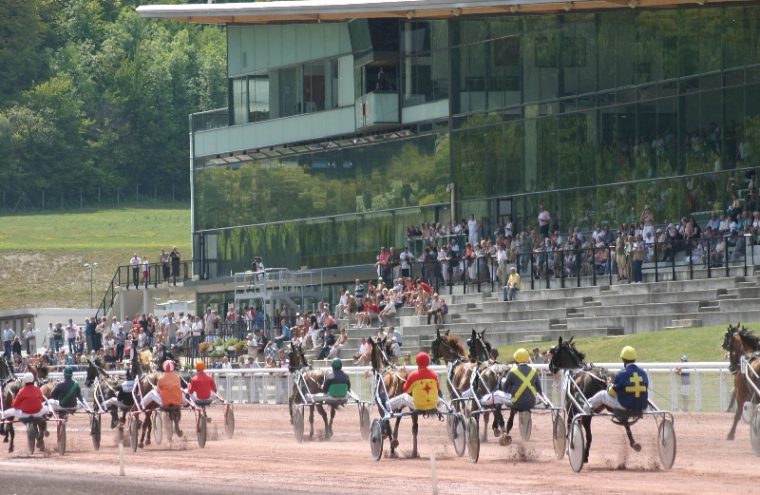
x=168 y=366
x=423 y=359
x=68 y=371
x=628 y=353
x=200 y=366
x=522 y=355
x=337 y=363
x=27 y=378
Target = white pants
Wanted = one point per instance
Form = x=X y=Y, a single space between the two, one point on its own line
x=603 y=398
x=151 y=397
x=15 y=413
x=113 y=401
x=54 y=406
x=497 y=397
x=405 y=400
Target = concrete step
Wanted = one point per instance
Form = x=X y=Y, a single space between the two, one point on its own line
x=686 y=323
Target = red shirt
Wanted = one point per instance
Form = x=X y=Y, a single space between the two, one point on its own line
x=202 y=385
x=28 y=400
x=426 y=288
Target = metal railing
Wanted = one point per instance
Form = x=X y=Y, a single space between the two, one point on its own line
x=709 y=390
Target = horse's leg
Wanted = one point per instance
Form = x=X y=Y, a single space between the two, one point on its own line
x=12 y=434
x=394 y=438
x=635 y=446
x=484 y=435
x=415 y=428
x=498 y=422
x=737 y=415
x=587 y=426
x=311 y=421
x=332 y=417
x=506 y=439
x=323 y=413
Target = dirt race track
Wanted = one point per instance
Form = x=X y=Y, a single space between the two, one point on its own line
x=264 y=457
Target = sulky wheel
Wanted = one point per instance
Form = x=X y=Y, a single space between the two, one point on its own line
x=61 y=437
x=229 y=422
x=376 y=439
x=202 y=425
x=364 y=421
x=459 y=432
x=95 y=431
x=158 y=427
x=526 y=425
x=298 y=423
x=134 y=426
x=666 y=443
x=473 y=439
x=559 y=436
x=575 y=447
x=754 y=431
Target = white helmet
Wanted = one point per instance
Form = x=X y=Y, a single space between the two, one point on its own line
x=27 y=378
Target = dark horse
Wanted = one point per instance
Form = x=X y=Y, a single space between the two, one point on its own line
x=489 y=374
x=588 y=381
x=312 y=383
x=106 y=388
x=9 y=387
x=740 y=342
x=393 y=383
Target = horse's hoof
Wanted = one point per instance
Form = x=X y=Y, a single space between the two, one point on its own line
x=394 y=444
x=585 y=459
x=141 y=445
x=505 y=440
x=393 y=455
x=114 y=423
x=5 y=440
x=496 y=432
x=636 y=447
x=147 y=442
x=730 y=436
x=179 y=433
x=10 y=450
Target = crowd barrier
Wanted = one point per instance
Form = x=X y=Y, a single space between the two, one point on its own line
x=709 y=391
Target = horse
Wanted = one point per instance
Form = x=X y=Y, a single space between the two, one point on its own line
x=487 y=379
x=449 y=348
x=313 y=380
x=589 y=380
x=393 y=381
x=9 y=387
x=144 y=373
x=41 y=371
x=106 y=387
x=740 y=342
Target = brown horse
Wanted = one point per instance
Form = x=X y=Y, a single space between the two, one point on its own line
x=450 y=349
x=489 y=374
x=9 y=387
x=740 y=342
x=312 y=383
x=393 y=383
x=142 y=371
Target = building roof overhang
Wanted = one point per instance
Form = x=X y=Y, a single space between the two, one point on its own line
x=290 y=11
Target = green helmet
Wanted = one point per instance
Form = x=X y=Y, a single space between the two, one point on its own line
x=68 y=371
x=337 y=364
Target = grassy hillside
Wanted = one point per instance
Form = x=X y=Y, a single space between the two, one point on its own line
x=42 y=255
x=700 y=344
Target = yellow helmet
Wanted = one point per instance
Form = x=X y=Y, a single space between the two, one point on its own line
x=522 y=355
x=628 y=353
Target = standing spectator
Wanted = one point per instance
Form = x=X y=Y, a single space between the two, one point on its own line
x=473 y=230
x=406 y=259
x=72 y=330
x=637 y=259
x=685 y=383
x=8 y=336
x=544 y=220
x=145 y=272
x=89 y=331
x=163 y=259
x=30 y=339
x=120 y=340
x=175 y=258
x=135 y=264
x=647 y=219
x=16 y=347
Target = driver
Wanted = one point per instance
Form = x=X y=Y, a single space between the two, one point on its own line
x=630 y=392
x=67 y=395
x=123 y=399
x=421 y=389
x=29 y=403
x=168 y=391
x=202 y=385
x=523 y=385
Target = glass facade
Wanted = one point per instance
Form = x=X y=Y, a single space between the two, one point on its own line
x=592 y=114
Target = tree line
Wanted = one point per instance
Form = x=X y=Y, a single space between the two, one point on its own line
x=92 y=96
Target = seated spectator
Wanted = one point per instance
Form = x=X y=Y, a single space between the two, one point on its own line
x=436 y=310
x=363 y=356
x=339 y=344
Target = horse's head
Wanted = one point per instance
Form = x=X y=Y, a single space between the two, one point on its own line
x=92 y=373
x=378 y=357
x=40 y=371
x=296 y=358
x=446 y=347
x=732 y=343
x=565 y=356
x=479 y=348
x=5 y=370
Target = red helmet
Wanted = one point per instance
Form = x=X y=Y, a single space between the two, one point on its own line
x=168 y=366
x=423 y=360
